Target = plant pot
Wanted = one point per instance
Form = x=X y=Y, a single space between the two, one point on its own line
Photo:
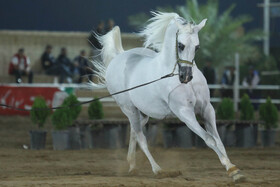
x=168 y=135
x=114 y=136
x=222 y=130
x=183 y=137
x=150 y=130
x=74 y=138
x=199 y=142
x=85 y=136
x=61 y=140
x=245 y=135
x=37 y=139
x=230 y=139
x=97 y=139
x=268 y=138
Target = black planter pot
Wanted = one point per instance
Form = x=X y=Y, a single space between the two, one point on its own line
x=97 y=139
x=177 y=135
x=61 y=140
x=199 y=142
x=230 y=139
x=222 y=130
x=268 y=137
x=168 y=138
x=114 y=136
x=74 y=138
x=37 y=139
x=150 y=131
x=85 y=136
x=246 y=134
x=183 y=137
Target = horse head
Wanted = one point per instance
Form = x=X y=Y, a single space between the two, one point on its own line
x=187 y=43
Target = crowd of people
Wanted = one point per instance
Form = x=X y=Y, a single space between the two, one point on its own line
x=70 y=71
x=62 y=67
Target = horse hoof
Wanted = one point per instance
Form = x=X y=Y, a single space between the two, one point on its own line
x=236 y=175
x=237 y=178
x=133 y=172
x=167 y=174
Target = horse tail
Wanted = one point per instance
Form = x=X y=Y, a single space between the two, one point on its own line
x=112 y=46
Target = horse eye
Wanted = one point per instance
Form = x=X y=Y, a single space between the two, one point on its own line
x=181 y=46
x=197 y=47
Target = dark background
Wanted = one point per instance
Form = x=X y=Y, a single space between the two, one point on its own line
x=83 y=15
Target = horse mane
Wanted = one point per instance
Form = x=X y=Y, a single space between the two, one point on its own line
x=154 y=32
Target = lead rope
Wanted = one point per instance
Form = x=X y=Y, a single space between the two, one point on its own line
x=92 y=100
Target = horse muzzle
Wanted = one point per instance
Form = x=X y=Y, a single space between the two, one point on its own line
x=185 y=74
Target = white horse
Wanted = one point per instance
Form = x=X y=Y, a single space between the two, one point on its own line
x=176 y=41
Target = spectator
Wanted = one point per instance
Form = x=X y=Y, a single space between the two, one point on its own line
x=209 y=73
x=81 y=64
x=228 y=80
x=251 y=81
x=47 y=60
x=100 y=30
x=20 y=65
x=64 y=66
x=110 y=25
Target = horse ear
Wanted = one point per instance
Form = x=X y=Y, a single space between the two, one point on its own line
x=200 y=25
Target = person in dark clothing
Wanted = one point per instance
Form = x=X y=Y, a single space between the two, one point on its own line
x=100 y=30
x=82 y=65
x=228 y=80
x=110 y=25
x=210 y=75
x=65 y=66
x=47 y=59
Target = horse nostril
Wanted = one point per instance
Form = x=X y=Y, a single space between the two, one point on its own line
x=191 y=77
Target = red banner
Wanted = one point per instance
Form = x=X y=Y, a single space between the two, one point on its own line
x=23 y=97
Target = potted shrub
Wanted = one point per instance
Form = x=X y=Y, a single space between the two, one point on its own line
x=65 y=137
x=60 y=136
x=269 y=115
x=95 y=112
x=225 y=114
x=38 y=117
x=74 y=110
x=246 y=129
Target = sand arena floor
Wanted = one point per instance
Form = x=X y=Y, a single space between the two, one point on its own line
x=101 y=167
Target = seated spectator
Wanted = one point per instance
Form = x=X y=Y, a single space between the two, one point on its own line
x=65 y=66
x=47 y=59
x=20 y=65
x=110 y=25
x=81 y=65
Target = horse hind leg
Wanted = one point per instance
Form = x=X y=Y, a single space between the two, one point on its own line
x=134 y=117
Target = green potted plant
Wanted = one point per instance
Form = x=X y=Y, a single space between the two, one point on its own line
x=246 y=129
x=74 y=108
x=38 y=117
x=95 y=112
x=225 y=114
x=63 y=136
x=269 y=115
x=60 y=134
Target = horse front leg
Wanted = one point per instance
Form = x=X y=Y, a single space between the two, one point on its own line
x=210 y=124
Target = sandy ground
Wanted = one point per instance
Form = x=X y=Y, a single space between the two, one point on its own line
x=100 y=167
